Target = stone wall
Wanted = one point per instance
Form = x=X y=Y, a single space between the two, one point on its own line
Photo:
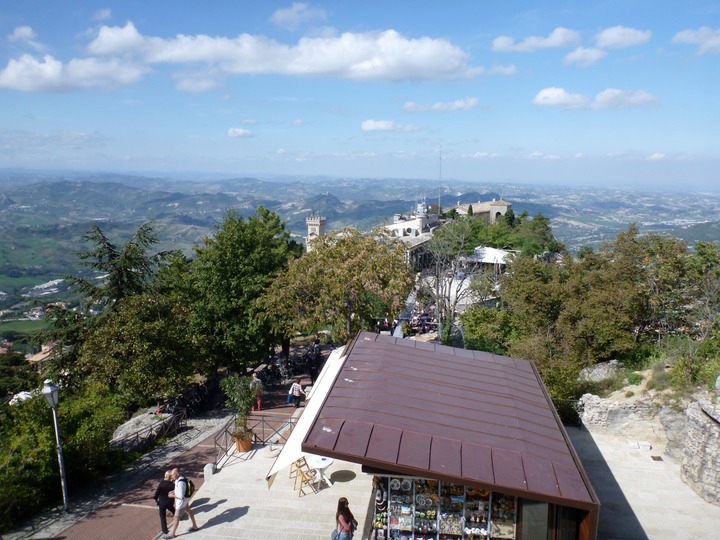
x=701 y=455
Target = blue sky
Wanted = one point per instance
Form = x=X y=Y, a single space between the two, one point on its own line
x=612 y=93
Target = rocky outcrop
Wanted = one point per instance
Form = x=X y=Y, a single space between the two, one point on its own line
x=617 y=416
x=701 y=453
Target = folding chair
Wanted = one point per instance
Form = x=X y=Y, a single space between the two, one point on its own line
x=307 y=480
x=298 y=466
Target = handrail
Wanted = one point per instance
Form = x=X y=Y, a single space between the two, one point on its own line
x=266 y=428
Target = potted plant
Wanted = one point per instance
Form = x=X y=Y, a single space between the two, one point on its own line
x=240 y=396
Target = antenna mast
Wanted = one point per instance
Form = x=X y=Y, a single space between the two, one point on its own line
x=439 y=182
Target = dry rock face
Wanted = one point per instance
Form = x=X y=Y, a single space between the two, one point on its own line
x=701 y=454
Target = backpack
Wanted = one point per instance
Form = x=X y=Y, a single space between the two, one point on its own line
x=189 y=488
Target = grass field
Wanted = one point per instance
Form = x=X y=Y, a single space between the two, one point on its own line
x=22 y=327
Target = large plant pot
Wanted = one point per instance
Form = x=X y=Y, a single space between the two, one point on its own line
x=244 y=444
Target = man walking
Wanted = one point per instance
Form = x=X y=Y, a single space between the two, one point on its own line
x=182 y=502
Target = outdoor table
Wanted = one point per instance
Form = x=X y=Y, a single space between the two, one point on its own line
x=320 y=464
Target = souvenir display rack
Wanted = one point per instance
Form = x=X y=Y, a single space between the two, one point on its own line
x=421 y=509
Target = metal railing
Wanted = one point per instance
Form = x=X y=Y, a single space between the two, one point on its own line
x=266 y=428
x=148 y=435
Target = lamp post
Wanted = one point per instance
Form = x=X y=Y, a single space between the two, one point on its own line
x=50 y=391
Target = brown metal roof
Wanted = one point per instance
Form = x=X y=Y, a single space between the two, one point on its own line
x=461 y=416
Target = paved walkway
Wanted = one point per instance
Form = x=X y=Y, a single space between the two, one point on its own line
x=641 y=492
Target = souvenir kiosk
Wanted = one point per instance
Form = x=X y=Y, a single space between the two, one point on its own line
x=462 y=444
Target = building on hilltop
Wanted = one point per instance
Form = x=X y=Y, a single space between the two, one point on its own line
x=415 y=231
x=492 y=209
x=316 y=228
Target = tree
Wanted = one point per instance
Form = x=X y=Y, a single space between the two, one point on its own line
x=16 y=374
x=534 y=236
x=446 y=282
x=487 y=329
x=125 y=271
x=144 y=350
x=339 y=283
x=230 y=272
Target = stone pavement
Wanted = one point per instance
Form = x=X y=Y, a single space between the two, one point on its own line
x=237 y=503
x=642 y=497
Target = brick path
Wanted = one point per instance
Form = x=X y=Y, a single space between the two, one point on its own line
x=133 y=514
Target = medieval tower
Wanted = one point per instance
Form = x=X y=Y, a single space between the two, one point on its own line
x=316 y=228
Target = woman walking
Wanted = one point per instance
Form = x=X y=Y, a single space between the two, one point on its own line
x=344 y=519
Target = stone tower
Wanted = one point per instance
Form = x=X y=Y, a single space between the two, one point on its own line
x=316 y=228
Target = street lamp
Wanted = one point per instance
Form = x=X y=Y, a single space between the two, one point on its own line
x=50 y=391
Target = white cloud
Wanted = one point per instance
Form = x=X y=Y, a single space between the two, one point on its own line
x=707 y=39
x=559 y=97
x=613 y=98
x=25 y=34
x=584 y=57
x=610 y=98
x=248 y=121
x=657 y=156
x=539 y=155
x=28 y=74
x=385 y=125
x=619 y=37
x=457 y=105
x=560 y=37
x=298 y=122
x=102 y=14
x=379 y=56
x=239 y=132
x=22 y=33
x=280 y=151
x=118 y=40
x=484 y=155
x=299 y=13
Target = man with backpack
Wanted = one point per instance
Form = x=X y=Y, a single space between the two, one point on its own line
x=184 y=489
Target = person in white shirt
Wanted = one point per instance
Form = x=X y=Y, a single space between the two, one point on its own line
x=296 y=389
x=182 y=503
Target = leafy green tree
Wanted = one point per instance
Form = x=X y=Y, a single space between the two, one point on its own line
x=534 y=236
x=230 y=272
x=487 y=329
x=143 y=350
x=16 y=374
x=596 y=320
x=339 y=283
x=29 y=475
x=28 y=462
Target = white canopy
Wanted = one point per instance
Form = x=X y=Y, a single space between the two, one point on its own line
x=291 y=451
x=489 y=255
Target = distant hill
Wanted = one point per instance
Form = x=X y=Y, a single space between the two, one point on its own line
x=43 y=216
x=701 y=232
